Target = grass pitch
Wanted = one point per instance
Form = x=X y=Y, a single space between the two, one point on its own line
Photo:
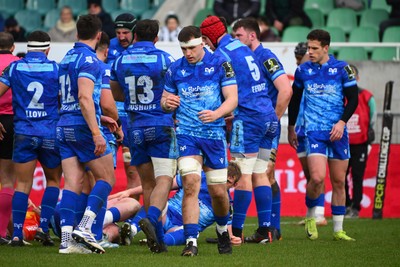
x=377 y=244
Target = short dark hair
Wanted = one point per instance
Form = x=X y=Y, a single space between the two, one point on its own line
x=188 y=33
x=171 y=16
x=6 y=41
x=146 y=30
x=88 y=26
x=248 y=24
x=38 y=36
x=320 y=35
x=104 y=42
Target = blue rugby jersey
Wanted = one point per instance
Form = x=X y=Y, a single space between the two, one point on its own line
x=34 y=82
x=253 y=93
x=199 y=87
x=140 y=71
x=206 y=216
x=272 y=68
x=81 y=61
x=114 y=51
x=323 y=92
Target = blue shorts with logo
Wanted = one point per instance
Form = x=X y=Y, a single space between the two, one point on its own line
x=28 y=148
x=248 y=136
x=77 y=141
x=318 y=143
x=213 y=151
x=124 y=123
x=301 y=146
x=155 y=141
x=269 y=141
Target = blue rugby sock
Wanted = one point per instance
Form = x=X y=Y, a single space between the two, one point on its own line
x=176 y=238
x=80 y=207
x=49 y=202
x=97 y=226
x=140 y=215
x=241 y=203
x=68 y=203
x=321 y=200
x=19 y=207
x=115 y=213
x=263 y=198
x=276 y=207
x=191 y=230
x=153 y=213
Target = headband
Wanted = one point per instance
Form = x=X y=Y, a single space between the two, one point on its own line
x=35 y=45
x=191 y=42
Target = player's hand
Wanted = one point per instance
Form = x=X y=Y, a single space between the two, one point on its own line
x=172 y=102
x=292 y=137
x=2 y=131
x=119 y=134
x=35 y=209
x=100 y=144
x=207 y=116
x=109 y=122
x=337 y=131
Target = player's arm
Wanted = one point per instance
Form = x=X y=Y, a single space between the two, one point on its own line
x=282 y=84
x=117 y=91
x=294 y=107
x=351 y=94
x=107 y=104
x=3 y=88
x=230 y=93
x=85 y=96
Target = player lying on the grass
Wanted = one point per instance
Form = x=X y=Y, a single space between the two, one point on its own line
x=172 y=215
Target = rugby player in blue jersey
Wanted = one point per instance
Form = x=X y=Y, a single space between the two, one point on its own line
x=34 y=82
x=201 y=88
x=81 y=141
x=254 y=127
x=326 y=83
x=125 y=25
x=301 y=56
x=280 y=92
x=138 y=79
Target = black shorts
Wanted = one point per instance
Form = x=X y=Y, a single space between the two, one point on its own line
x=7 y=144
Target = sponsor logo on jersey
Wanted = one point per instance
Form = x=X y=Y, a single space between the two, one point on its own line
x=89 y=59
x=208 y=71
x=314 y=146
x=271 y=65
x=332 y=71
x=107 y=73
x=182 y=148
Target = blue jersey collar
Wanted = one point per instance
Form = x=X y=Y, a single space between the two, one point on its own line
x=142 y=44
x=82 y=45
x=35 y=54
x=225 y=40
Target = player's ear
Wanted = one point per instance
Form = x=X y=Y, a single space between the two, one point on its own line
x=12 y=48
x=47 y=51
x=155 y=39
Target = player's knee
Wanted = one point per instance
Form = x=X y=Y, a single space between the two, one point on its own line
x=246 y=164
x=215 y=177
x=164 y=167
x=189 y=166
x=126 y=156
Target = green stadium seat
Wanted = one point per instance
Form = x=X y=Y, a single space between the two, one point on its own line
x=373 y=17
x=295 y=34
x=51 y=18
x=31 y=20
x=149 y=13
x=116 y=13
x=157 y=3
x=210 y=3
x=110 y=5
x=384 y=53
x=326 y=6
x=77 y=6
x=364 y=34
x=4 y=14
x=12 y=6
x=391 y=34
x=344 y=18
x=201 y=15
x=136 y=7
x=380 y=4
x=352 y=53
x=316 y=16
x=41 y=6
x=337 y=35
x=263 y=3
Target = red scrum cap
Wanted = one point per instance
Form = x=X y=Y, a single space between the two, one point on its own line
x=213 y=28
